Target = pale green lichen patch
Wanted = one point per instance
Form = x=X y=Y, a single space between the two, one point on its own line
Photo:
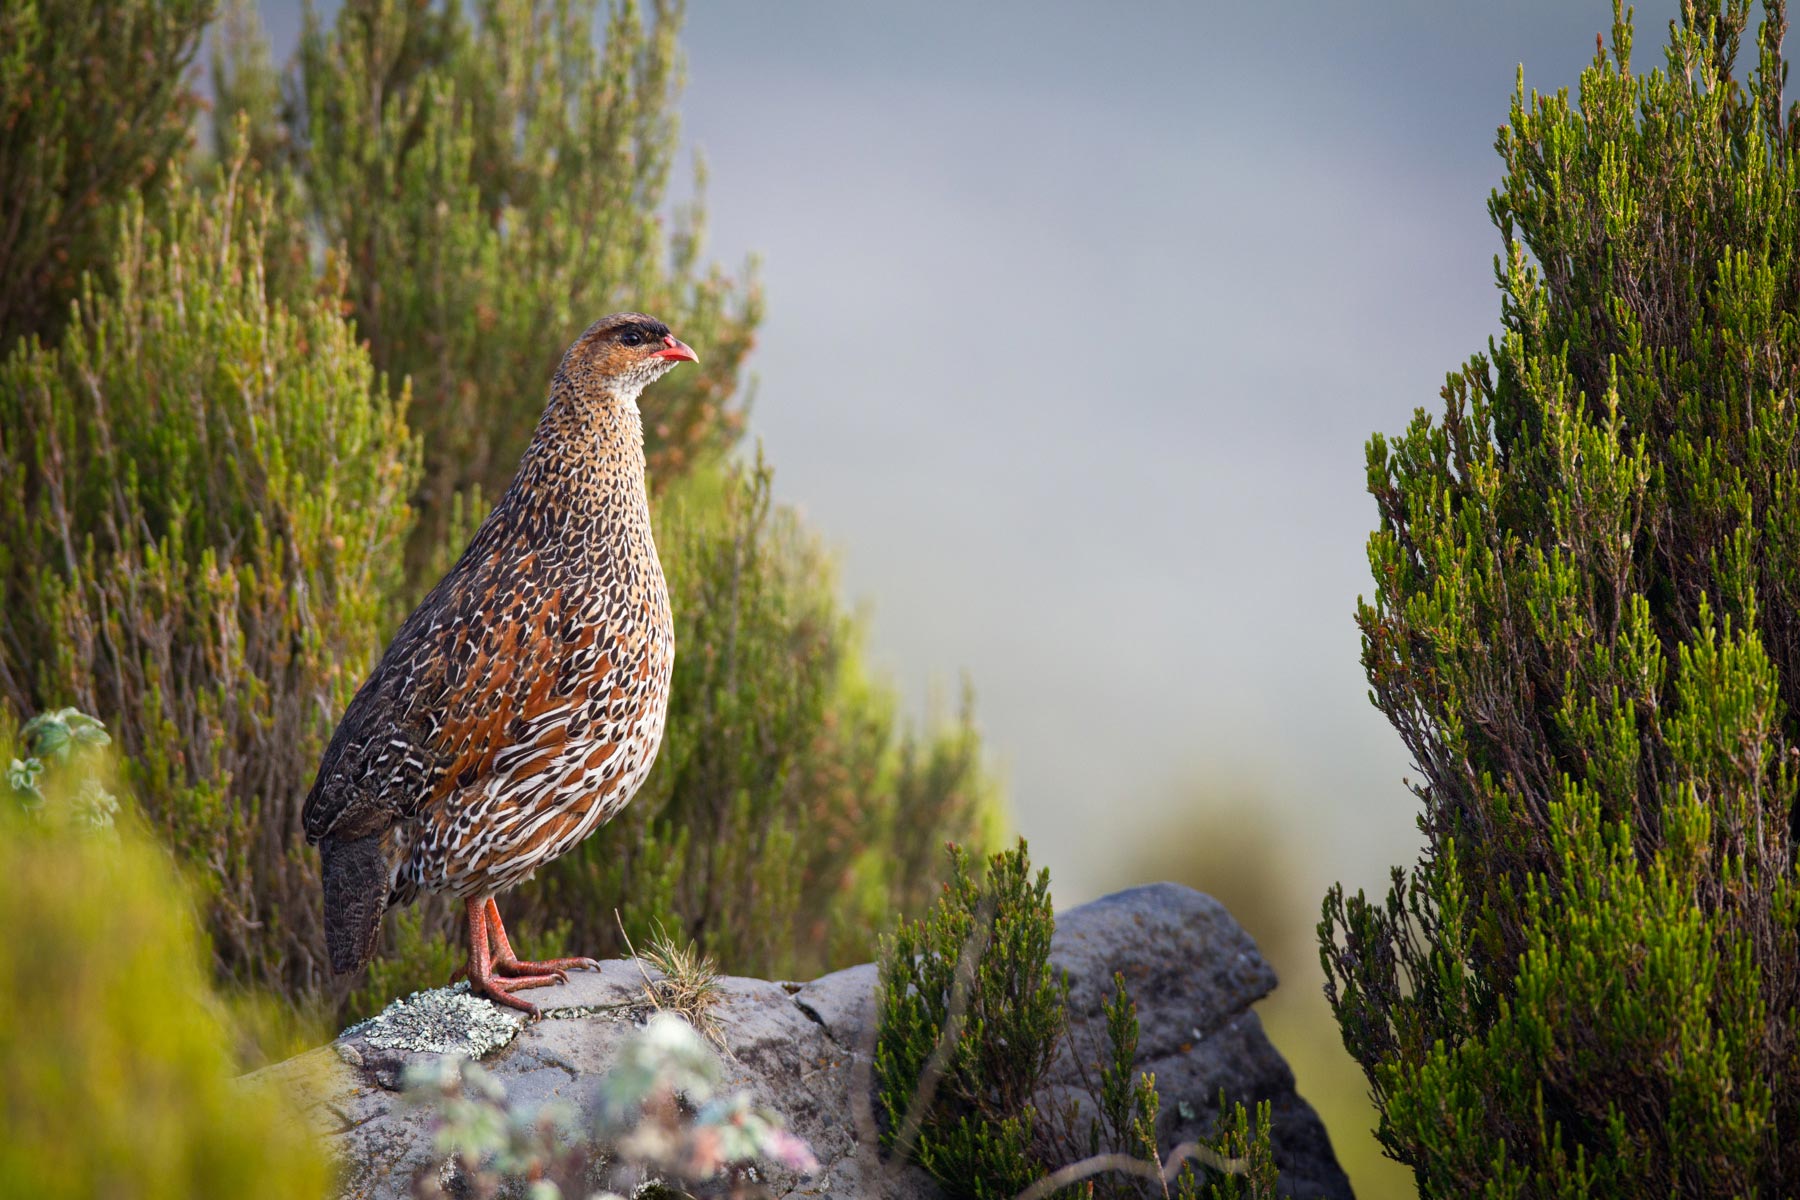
x=445 y=1020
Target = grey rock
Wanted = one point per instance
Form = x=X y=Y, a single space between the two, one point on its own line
x=1193 y=973
x=805 y=1049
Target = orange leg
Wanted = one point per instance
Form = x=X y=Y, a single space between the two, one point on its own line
x=481 y=969
x=507 y=963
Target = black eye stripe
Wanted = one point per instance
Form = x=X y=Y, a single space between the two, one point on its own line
x=638 y=335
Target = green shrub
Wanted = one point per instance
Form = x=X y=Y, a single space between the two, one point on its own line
x=93 y=108
x=202 y=494
x=494 y=180
x=1237 y=1164
x=971 y=1016
x=204 y=487
x=1586 y=628
x=118 y=1082
x=974 y=978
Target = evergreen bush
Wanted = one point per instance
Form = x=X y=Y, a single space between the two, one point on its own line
x=205 y=485
x=203 y=493
x=1238 y=1164
x=93 y=108
x=1586 y=628
x=494 y=180
x=971 y=1016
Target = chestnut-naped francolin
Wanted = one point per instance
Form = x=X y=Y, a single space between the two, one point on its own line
x=522 y=704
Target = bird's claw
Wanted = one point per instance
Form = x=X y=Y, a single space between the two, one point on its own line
x=498 y=993
x=559 y=967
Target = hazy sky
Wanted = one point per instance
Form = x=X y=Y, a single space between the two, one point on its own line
x=1079 y=317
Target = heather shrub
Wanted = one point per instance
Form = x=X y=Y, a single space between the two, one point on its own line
x=971 y=1018
x=493 y=177
x=118 y=1082
x=202 y=496
x=1585 y=628
x=93 y=109
x=213 y=511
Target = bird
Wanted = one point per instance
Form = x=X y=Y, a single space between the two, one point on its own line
x=522 y=704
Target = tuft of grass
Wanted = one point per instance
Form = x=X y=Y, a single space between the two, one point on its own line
x=689 y=986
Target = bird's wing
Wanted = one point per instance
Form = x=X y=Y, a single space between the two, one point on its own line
x=395 y=743
x=493 y=673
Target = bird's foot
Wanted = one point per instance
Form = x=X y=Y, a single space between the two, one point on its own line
x=499 y=976
x=557 y=968
x=500 y=988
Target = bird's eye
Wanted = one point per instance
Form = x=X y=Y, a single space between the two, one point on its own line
x=632 y=338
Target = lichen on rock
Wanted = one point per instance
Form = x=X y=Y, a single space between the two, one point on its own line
x=447 y=1020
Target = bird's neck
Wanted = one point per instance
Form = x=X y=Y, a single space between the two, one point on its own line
x=588 y=451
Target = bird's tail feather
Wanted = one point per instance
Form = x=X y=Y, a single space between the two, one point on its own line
x=356 y=894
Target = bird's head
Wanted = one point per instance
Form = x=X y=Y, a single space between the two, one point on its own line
x=624 y=353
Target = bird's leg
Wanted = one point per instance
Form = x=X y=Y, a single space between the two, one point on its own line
x=507 y=963
x=482 y=979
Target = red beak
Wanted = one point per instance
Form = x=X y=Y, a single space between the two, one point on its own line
x=676 y=350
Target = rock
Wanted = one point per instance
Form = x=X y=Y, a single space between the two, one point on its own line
x=804 y=1050
x=1193 y=973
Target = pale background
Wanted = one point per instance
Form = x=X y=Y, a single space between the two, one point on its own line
x=1079 y=317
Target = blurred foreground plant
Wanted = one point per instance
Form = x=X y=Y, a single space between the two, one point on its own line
x=661 y=1117
x=64 y=756
x=115 y=1078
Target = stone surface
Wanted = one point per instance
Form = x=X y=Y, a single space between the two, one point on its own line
x=803 y=1049
x=1193 y=973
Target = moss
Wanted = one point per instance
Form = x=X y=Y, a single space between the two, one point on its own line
x=441 y=1021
